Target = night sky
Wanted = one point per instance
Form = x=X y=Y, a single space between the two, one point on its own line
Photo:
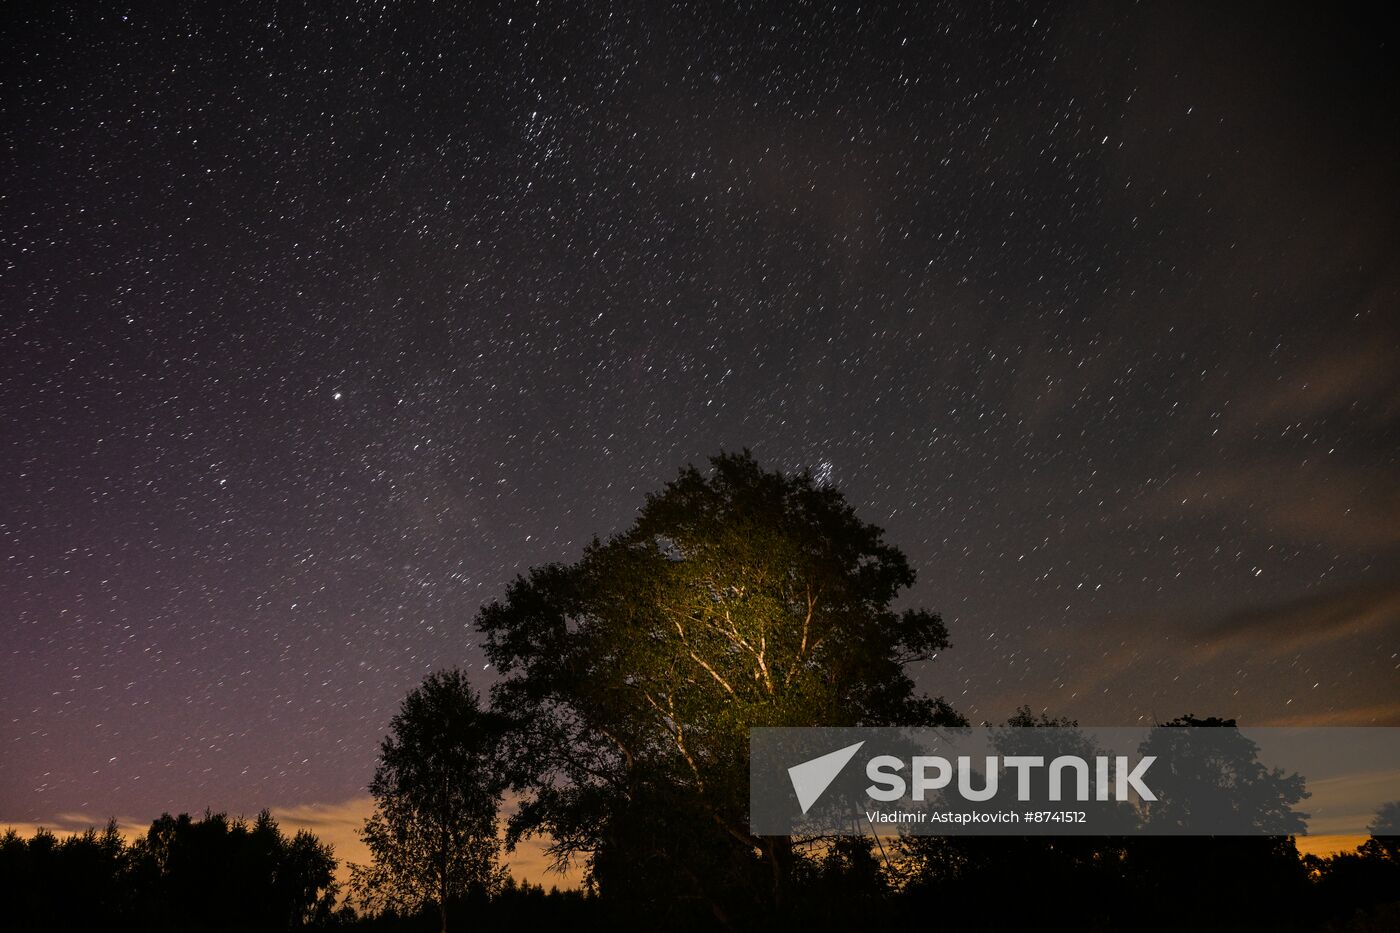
x=318 y=326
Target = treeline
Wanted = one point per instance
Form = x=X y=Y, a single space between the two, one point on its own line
x=213 y=873
x=219 y=875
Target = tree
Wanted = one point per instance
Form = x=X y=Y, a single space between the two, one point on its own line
x=1208 y=779
x=739 y=598
x=1385 y=833
x=75 y=883
x=957 y=875
x=218 y=873
x=210 y=874
x=1357 y=890
x=432 y=836
x=1208 y=776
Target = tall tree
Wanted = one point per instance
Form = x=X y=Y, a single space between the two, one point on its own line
x=1208 y=778
x=433 y=836
x=738 y=598
x=1208 y=775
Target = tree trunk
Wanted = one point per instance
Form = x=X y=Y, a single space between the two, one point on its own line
x=446 y=858
x=780 y=858
x=442 y=882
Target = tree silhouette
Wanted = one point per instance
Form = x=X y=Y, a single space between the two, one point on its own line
x=220 y=873
x=1211 y=779
x=73 y=883
x=739 y=598
x=1385 y=833
x=211 y=874
x=1208 y=780
x=959 y=875
x=1359 y=889
x=432 y=836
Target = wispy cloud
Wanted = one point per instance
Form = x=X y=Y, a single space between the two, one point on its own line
x=1306 y=622
x=1346 y=506
x=65 y=824
x=1304 y=661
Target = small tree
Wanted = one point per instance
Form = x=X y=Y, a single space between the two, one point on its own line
x=432 y=836
x=1385 y=833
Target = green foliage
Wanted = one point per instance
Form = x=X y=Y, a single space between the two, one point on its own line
x=433 y=836
x=739 y=598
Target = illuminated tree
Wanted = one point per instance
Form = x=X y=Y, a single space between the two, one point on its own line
x=432 y=836
x=739 y=598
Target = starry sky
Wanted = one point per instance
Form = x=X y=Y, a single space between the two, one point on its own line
x=318 y=323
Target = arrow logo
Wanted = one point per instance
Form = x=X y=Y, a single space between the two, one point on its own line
x=811 y=778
